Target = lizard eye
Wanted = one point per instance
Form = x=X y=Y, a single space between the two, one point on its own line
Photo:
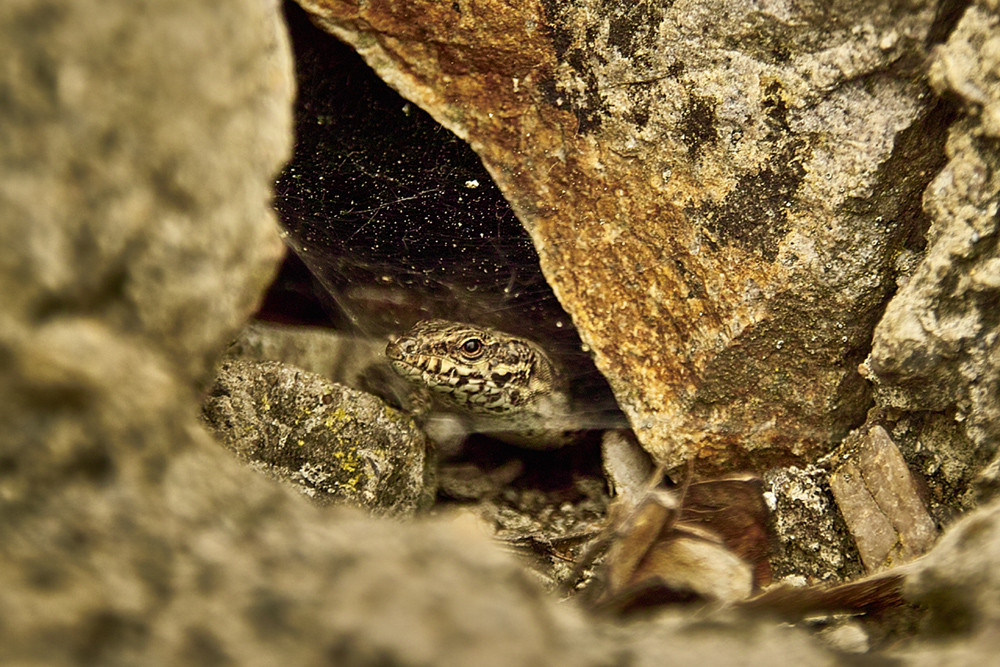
x=471 y=348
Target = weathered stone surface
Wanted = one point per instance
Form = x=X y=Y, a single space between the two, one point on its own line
x=881 y=502
x=812 y=542
x=717 y=191
x=101 y=186
x=138 y=145
x=334 y=443
x=936 y=350
x=959 y=584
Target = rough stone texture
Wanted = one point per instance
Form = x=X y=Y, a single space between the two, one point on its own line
x=959 y=583
x=941 y=458
x=880 y=501
x=75 y=139
x=717 y=191
x=334 y=443
x=812 y=542
x=936 y=353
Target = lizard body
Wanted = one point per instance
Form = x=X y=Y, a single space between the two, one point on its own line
x=506 y=386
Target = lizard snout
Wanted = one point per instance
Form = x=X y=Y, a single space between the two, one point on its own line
x=401 y=348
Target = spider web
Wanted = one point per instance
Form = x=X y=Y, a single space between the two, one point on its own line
x=398 y=219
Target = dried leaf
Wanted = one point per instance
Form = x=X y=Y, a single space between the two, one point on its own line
x=682 y=545
x=867 y=595
x=733 y=508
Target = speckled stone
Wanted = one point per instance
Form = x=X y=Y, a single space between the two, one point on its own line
x=936 y=352
x=335 y=444
x=812 y=541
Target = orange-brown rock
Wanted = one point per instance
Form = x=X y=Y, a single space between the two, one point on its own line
x=718 y=193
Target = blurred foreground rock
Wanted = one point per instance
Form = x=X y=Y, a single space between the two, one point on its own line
x=958 y=582
x=137 y=149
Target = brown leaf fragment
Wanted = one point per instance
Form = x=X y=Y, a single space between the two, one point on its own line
x=704 y=542
x=880 y=503
x=626 y=553
x=867 y=595
x=704 y=567
x=734 y=509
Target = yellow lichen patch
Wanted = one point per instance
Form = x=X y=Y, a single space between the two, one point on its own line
x=337 y=418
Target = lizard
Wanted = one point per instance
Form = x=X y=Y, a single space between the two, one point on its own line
x=505 y=386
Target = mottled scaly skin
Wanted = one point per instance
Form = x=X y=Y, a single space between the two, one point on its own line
x=507 y=386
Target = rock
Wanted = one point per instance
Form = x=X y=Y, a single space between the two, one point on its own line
x=627 y=467
x=357 y=362
x=958 y=583
x=138 y=147
x=958 y=579
x=880 y=502
x=813 y=544
x=935 y=353
x=130 y=194
x=848 y=636
x=717 y=192
x=334 y=443
x=743 y=641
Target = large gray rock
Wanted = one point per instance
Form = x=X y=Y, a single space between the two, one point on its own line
x=958 y=580
x=115 y=166
x=959 y=585
x=718 y=190
x=137 y=146
x=936 y=352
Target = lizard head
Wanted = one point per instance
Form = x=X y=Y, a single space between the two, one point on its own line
x=473 y=368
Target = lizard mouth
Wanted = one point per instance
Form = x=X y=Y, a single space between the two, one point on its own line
x=400 y=355
x=401 y=349
x=393 y=351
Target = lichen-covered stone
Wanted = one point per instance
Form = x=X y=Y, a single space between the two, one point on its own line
x=936 y=352
x=334 y=443
x=811 y=541
x=718 y=191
